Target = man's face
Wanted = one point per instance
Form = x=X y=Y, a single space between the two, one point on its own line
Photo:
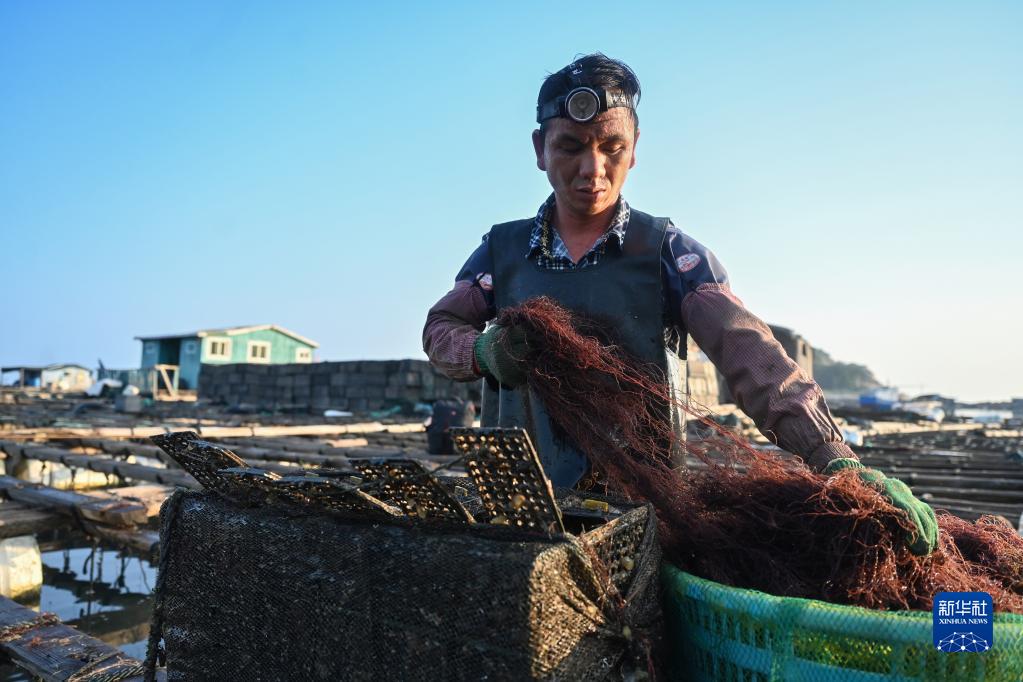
x=587 y=163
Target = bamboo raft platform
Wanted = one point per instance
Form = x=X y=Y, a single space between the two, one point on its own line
x=76 y=443
x=122 y=515
x=968 y=474
x=987 y=479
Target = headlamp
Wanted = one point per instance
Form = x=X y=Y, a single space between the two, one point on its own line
x=582 y=104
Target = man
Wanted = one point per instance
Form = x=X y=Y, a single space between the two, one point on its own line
x=593 y=253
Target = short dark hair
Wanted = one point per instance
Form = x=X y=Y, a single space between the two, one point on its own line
x=596 y=69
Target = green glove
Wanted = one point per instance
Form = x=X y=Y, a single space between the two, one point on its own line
x=898 y=493
x=500 y=352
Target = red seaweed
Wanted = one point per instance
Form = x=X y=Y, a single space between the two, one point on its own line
x=742 y=516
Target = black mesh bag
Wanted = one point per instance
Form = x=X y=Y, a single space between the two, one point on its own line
x=272 y=591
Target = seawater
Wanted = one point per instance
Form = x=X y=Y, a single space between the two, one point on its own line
x=98 y=590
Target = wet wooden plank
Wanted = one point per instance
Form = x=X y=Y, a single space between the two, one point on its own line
x=268 y=454
x=323 y=429
x=149 y=495
x=53 y=433
x=18 y=519
x=292 y=444
x=51 y=650
x=113 y=517
x=114 y=511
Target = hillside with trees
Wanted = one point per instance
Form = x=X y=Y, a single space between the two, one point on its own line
x=841 y=376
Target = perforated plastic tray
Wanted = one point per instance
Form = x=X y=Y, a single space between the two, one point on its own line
x=410 y=487
x=512 y=485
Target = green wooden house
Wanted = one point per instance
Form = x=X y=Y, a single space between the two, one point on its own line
x=181 y=356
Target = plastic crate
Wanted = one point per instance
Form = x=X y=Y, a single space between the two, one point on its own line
x=720 y=633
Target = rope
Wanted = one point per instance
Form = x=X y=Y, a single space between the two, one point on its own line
x=111 y=668
x=12 y=632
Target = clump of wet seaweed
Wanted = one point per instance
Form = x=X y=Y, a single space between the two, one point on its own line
x=746 y=517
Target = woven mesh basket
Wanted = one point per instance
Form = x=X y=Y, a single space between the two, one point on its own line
x=725 y=633
x=275 y=592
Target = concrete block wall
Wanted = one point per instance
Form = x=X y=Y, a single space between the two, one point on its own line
x=357 y=385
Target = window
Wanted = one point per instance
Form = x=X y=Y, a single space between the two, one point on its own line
x=189 y=347
x=259 y=351
x=218 y=348
x=303 y=355
x=150 y=347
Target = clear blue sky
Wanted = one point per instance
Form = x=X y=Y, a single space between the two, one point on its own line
x=857 y=167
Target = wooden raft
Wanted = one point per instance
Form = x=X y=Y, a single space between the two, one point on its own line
x=105 y=515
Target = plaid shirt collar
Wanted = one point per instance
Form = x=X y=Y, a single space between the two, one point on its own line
x=559 y=258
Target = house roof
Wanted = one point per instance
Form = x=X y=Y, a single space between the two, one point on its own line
x=231 y=331
x=43 y=368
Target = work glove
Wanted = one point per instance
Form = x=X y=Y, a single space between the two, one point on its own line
x=920 y=514
x=499 y=352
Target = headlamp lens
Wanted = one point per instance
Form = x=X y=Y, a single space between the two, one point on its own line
x=582 y=105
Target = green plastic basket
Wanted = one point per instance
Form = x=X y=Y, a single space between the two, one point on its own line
x=725 y=633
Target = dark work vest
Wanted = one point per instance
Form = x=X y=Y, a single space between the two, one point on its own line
x=623 y=289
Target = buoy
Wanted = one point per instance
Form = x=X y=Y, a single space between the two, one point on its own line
x=21 y=568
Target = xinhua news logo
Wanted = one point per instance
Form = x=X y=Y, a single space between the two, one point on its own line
x=963 y=622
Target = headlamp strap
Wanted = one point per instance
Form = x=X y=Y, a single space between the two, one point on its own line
x=617 y=98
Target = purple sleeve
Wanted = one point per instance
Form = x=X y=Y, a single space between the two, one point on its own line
x=456 y=320
x=787 y=406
